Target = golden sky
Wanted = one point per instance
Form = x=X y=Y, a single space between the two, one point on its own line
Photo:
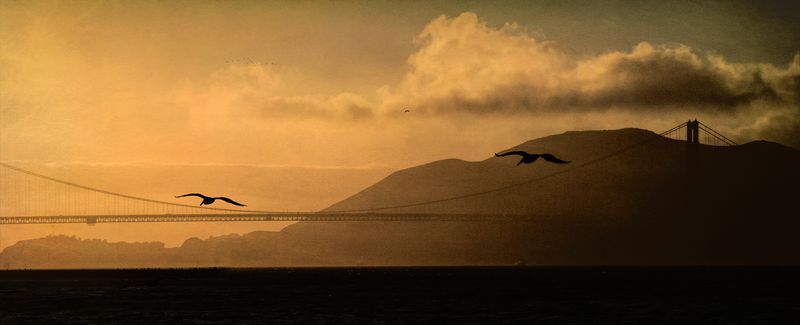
x=324 y=84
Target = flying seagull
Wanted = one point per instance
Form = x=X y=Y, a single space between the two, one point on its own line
x=531 y=157
x=208 y=200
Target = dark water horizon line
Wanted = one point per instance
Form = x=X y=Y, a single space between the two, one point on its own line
x=631 y=267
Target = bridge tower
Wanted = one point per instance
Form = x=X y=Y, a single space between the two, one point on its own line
x=692 y=183
x=693 y=132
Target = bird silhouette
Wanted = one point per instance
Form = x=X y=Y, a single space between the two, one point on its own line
x=531 y=157
x=207 y=200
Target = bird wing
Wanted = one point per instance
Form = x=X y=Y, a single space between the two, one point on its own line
x=230 y=201
x=551 y=158
x=193 y=194
x=521 y=153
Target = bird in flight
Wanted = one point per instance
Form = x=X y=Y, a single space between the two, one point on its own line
x=531 y=157
x=208 y=200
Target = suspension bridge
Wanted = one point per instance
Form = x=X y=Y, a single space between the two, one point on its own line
x=27 y=197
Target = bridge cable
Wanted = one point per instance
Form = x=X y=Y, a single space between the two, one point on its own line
x=717 y=135
x=93 y=189
x=459 y=197
x=535 y=179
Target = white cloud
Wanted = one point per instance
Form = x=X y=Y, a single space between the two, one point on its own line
x=464 y=66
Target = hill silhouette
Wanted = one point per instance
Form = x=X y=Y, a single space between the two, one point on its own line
x=634 y=182
x=657 y=202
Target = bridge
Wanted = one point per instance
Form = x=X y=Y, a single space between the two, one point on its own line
x=27 y=197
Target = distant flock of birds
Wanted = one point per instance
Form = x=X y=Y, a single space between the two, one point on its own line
x=527 y=158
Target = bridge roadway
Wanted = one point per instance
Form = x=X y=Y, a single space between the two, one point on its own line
x=93 y=219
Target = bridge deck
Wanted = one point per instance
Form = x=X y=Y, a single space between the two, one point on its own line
x=92 y=219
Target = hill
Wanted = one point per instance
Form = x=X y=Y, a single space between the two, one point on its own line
x=629 y=197
x=601 y=180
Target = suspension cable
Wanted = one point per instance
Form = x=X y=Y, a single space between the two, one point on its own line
x=399 y=206
x=93 y=189
x=535 y=179
x=717 y=134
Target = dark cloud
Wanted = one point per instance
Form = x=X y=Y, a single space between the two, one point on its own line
x=665 y=81
x=657 y=81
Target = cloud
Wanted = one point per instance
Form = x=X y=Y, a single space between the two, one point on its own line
x=465 y=66
x=256 y=91
x=472 y=88
x=662 y=76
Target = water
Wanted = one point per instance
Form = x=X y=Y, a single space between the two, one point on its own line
x=466 y=295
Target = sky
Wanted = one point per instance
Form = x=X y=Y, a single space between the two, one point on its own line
x=325 y=84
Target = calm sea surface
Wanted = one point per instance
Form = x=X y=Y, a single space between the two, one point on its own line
x=465 y=295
